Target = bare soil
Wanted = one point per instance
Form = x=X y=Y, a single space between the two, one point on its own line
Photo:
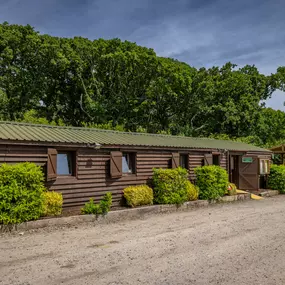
x=239 y=243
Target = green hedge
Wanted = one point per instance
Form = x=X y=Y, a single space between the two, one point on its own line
x=169 y=186
x=276 y=179
x=21 y=193
x=212 y=181
x=138 y=195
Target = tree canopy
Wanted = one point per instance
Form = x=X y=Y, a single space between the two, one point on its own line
x=119 y=85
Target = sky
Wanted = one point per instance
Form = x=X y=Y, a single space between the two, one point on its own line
x=199 y=32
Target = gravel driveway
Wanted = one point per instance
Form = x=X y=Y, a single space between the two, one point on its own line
x=240 y=243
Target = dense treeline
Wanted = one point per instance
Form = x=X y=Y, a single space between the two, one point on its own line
x=120 y=85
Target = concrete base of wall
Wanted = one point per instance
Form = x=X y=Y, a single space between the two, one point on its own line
x=120 y=215
x=269 y=193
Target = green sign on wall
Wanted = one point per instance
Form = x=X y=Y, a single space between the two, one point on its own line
x=247 y=159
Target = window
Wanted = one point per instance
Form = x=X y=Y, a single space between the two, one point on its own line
x=183 y=162
x=64 y=163
x=264 y=166
x=128 y=162
x=216 y=159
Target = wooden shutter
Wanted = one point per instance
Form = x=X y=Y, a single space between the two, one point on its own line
x=208 y=159
x=248 y=174
x=175 y=160
x=116 y=164
x=52 y=164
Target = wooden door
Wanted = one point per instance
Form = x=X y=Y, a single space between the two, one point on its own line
x=234 y=169
x=248 y=173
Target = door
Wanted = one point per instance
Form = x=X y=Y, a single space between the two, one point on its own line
x=234 y=169
x=248 y=173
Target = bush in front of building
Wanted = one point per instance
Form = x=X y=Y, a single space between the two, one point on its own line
x=52 y=203
x=232 y=189
x=138 y=195
x=21 y=193
x=276 y=180
x=169 y=186
x=212 y=181
x=104 y=206
x=192 y=191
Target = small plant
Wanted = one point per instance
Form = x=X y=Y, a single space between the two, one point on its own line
x=21 y=193
x=106 y=203
x=170 y=186
x=212 y=181
x=192 y=191
x=232 y=189
x=138 y=195
x=98 y=209
x=52 y=203
x=276 y=179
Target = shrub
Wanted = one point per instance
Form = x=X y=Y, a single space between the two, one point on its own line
x=98 y=209
x=232 y=189
x=52 y=203
x=212 y=181
x=276 y=179
x=21 y=193
x=170 y=186
x=192 y=191
x=138 y=195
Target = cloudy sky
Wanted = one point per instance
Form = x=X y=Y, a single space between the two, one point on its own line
x=199 y=32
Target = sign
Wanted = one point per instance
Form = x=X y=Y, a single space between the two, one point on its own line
x=247 y=159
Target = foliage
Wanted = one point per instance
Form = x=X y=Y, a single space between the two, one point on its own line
x=102 y=208
x=118 y=85
x=232 y=189
x=138 y=195
x=170 y=186
x=52 y=203
x=192 y=191
x=276 y=179
x=21 y=193
x=212 y=181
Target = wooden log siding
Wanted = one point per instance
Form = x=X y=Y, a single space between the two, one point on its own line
x=195 y=160
x=224 y=161
x=94 y=179
x=13 y=154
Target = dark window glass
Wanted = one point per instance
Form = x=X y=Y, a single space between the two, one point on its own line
x=216 y=159
x=128 y=162
x=64 y=163
x=184 y=161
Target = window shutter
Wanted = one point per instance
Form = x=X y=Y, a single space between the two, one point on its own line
x=51 y=164
x=208 y=159
x=175 y=160
x=116 y=164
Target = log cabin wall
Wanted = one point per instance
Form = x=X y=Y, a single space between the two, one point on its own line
x=92 y=177
x=13 y=154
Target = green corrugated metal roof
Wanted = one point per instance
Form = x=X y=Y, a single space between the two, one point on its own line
x=70 y=135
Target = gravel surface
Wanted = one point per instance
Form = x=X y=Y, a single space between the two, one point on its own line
x=239 y=243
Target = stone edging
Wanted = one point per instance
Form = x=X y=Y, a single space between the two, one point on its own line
x=120 y=215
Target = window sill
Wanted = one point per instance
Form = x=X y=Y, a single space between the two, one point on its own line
x=66 y=176
x=129 y=174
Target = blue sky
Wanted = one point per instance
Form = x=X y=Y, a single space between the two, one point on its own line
x=199 y=32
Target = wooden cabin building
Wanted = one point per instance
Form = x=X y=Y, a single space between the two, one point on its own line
x=279 y=153
x=84 y=162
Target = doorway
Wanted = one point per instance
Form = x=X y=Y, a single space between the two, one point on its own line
x=234 y=169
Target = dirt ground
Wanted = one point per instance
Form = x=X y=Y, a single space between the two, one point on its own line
x=240 y=243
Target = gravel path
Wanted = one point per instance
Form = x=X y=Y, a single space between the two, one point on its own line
x=240 y=243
